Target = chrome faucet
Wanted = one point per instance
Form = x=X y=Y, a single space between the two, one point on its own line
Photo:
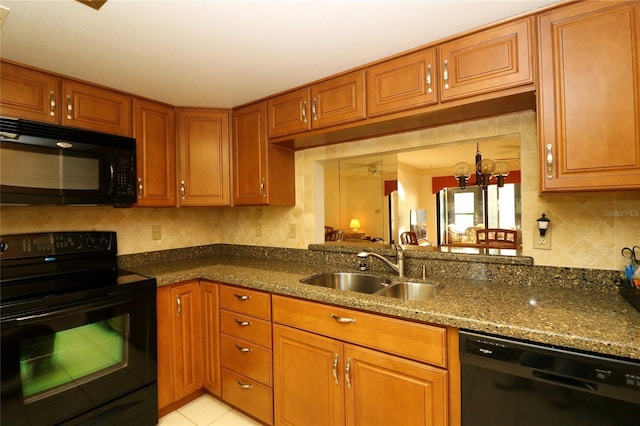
x=399 y=267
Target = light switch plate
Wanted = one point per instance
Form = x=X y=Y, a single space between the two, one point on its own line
x=4 y=12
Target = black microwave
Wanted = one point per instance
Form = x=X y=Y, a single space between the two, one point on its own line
x=46 y=164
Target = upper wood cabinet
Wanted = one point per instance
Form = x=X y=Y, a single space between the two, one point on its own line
x=589 y=97
x=263 y=174
x=155 y=135
x=35 y=95
x=403 y=83
x=30 y=94
x=328 y=103
x=93 y=108
x=203 y=157
x=486 y=61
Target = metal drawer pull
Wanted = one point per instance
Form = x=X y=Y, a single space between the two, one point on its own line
x=241 y=296
x=549 y=162
x=429 y=89
x=69 y=107
x=52 y=102
x=342 y=319
x=179 y=305
x=182 y=189
x=304 y=111
x=243 y=349
x=244 y=385
x=262 y=191
x=140 y=187
x=445 y=74
x=242 y=323
x=313 y=109
x=347 y=373
x=335 y=368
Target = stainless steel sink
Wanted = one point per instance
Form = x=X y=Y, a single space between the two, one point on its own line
x=409 y=290
x=351 y=281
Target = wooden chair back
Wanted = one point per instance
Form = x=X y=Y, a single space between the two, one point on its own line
x=335 y=235
x=409 y=238
x=497 y=238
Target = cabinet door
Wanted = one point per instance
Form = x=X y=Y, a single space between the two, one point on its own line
x=186 y=338
x=589 y=97
x=403 y=83
x=338 y=100
x=387 y=390
x=249 y=152
x=25 y=93
x=210 y=337
x=93 y=108
x=203 y=150
x=289 y=113
x=308 y=378
x=156 y=154
x=165 y=314
x=487 y=61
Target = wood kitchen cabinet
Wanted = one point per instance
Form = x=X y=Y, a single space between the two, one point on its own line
x=487 y=61
x=589 y=97
x=36 y=95
x=319 y=378
x=245 y=351
x=407 y=82
x=328 y=103
x=263 y=174
x=203 y=157
x=179 y=342
x=210 y=309
x=154 y=127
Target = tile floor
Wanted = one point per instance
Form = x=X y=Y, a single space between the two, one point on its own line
x=206 y=411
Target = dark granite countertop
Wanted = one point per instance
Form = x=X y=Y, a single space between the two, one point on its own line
x=601 y=322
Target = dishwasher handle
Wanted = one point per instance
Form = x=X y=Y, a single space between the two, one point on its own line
x=555 y=379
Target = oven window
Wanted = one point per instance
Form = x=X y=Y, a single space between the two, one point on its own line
x=52 y=362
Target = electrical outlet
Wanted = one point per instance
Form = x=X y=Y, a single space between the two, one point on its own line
x=292 y=230
x=258 y=230
x=541 y=242
x=156 y=232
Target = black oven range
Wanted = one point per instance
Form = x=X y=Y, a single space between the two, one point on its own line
x=78 y=334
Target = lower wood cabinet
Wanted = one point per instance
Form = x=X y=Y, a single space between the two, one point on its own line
x=319 y=379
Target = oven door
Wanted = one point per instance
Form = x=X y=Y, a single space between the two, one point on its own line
x=65 y=362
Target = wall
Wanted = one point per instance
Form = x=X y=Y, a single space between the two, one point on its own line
x=588 y=229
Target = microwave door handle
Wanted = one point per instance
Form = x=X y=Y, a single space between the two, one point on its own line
x=111 y=176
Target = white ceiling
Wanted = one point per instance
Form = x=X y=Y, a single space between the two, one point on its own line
x=226 y=53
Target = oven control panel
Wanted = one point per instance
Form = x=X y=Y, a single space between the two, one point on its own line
x=56 y=243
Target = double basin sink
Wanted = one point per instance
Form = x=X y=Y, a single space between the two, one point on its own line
x=374 y=284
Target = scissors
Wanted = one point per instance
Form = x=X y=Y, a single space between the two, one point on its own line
x=632 y=254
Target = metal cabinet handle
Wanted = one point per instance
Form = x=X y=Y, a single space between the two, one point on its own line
x=262 y=192
x=335 y=368
x=313 y=109
x=178 y=305
x=347 y=373
x=304 y=111
x=242 y=323
x=182 y=189
x=52 y=103
x=429 y=89
x=342 y=319
x=244 y=385
x=140 y=187
x=242 y=348
x=445 y=74
x=549 y=162
x=242 y=296
x=69 y=107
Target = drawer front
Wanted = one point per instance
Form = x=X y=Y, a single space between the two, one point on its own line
x=244 y=301
x=246 y=358
x=420 y=342
x=248 y=395
x=247 y=328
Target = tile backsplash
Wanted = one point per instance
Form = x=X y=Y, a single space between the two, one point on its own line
x=588 y=229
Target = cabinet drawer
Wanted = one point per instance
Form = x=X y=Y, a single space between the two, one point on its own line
x=246 y=358
x=250 y=302
x=420 y=342
x=248 y=395
x=246 y=328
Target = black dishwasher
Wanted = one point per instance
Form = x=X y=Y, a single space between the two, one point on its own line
x=515 y=383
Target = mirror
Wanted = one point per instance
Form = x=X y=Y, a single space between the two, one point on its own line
x=392 y=193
